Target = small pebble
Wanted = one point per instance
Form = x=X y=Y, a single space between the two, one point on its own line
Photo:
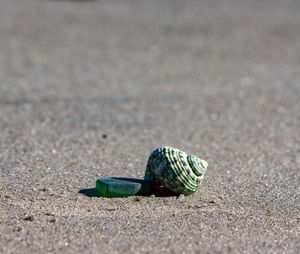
x=4 y=195
x=49 y=191
x=49 y=214
x=181 y=196
x=136 y=199
x=29 y=218
x=52 y=220
x=221 y=197
x=17 y=229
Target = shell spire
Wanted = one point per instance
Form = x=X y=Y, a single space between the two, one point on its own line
x=198 y=166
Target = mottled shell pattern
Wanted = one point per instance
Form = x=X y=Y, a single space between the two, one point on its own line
x=176 y=170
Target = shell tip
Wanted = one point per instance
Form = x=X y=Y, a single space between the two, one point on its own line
x=204 y=164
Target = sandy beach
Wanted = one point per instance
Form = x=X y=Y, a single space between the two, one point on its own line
x=89 y=89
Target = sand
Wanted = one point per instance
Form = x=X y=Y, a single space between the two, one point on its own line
x=90 y=88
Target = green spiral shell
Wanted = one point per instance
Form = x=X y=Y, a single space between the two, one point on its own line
x=176 y=170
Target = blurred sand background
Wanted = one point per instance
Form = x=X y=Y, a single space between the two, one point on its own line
x=90 y=88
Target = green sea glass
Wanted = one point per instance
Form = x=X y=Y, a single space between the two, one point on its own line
x=122 y=187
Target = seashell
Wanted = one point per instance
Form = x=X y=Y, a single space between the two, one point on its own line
x=176 y=170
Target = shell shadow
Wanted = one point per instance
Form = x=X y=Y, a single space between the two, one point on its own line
x=156 y=190
x=91 y=192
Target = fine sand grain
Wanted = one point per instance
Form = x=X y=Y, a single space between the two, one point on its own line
x=89 y=88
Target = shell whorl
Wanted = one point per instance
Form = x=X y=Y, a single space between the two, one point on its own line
x=176 y=170
x=197 y=165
